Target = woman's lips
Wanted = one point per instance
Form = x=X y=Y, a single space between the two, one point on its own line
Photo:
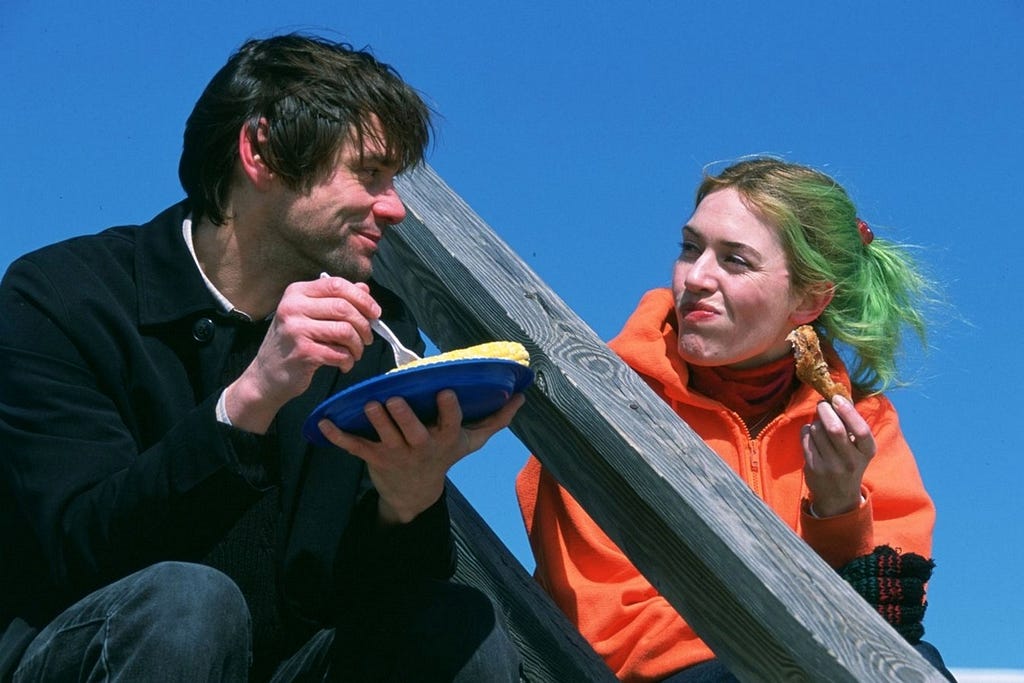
x=697 y=312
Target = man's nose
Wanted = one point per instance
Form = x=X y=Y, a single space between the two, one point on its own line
x=389 y=207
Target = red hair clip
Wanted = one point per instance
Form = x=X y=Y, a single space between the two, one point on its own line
x=866 y=236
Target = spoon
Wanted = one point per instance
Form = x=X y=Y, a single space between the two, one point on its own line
x=402 y=354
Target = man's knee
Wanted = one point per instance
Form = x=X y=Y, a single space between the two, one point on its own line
x=171 y=621
x=191 y=603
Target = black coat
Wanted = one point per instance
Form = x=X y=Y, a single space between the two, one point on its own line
x=111 y=458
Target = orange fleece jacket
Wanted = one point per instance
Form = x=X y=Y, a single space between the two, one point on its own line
x=636 y=631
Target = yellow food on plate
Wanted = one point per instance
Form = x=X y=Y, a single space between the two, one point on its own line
x=507 y=350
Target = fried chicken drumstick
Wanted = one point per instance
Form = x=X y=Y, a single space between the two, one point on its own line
x=810 y=365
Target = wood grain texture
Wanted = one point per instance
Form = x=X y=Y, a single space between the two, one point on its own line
x=768 y=606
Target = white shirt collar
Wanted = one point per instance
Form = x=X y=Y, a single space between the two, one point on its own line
x=222 y=301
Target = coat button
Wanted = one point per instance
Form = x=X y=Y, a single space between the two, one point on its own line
x=203 y=329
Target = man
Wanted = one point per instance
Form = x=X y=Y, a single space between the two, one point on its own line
x=162 y=518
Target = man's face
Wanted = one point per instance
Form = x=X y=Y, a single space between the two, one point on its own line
x=337 y=225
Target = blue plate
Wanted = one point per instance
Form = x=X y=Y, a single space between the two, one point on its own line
x=483 y=385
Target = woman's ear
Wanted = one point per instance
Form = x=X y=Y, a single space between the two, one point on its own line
x=253 y=166
x=812 y=302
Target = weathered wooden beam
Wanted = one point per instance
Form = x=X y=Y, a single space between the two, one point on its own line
x=770 y=608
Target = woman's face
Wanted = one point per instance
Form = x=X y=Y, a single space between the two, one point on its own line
x=734 y=302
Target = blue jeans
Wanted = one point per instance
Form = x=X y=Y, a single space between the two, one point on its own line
x=176 y=621
x=169 y=622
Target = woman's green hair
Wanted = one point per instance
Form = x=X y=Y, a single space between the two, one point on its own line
x=877 y=287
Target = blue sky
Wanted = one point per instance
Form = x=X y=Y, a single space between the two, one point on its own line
x=578 y=131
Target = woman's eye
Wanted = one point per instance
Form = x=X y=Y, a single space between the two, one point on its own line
x=688 y=250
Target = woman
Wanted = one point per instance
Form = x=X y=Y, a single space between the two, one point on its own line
x=771 y=246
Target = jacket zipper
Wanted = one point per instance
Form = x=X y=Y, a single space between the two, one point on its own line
x=755 y=467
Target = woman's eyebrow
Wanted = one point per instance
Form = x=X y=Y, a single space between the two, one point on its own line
x=730 y=244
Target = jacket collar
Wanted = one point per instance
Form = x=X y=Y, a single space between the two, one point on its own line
x=169 y=284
